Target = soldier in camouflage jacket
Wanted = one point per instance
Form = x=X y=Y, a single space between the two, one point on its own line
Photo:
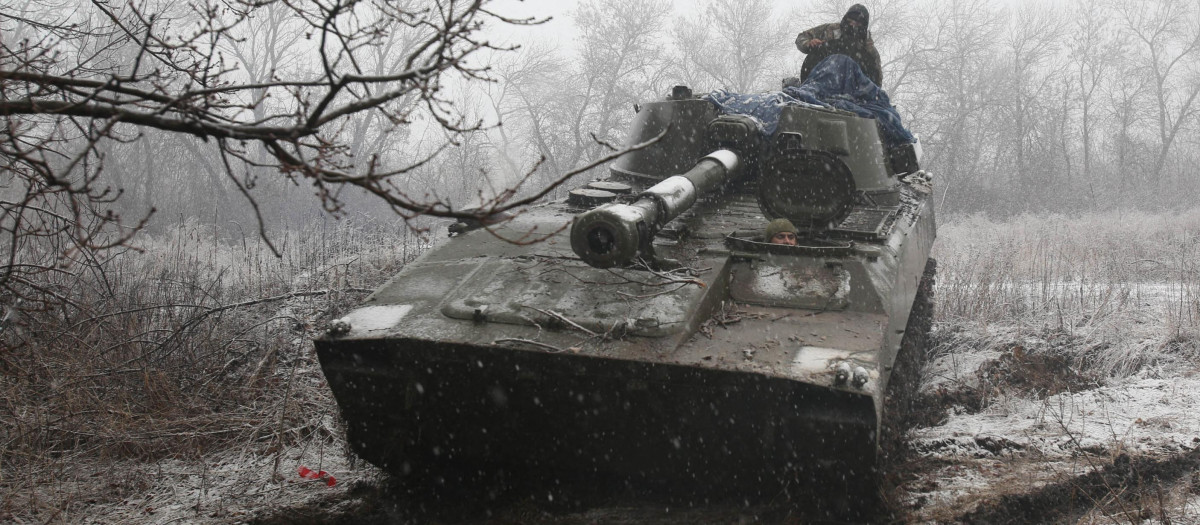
x=849 y=37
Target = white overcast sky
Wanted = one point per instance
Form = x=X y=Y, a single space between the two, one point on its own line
x=560 y=27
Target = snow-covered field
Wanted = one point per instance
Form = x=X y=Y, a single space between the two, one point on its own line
x=1019 y=444
x=1065 y=385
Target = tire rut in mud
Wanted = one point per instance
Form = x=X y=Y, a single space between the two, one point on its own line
x=1120 y=487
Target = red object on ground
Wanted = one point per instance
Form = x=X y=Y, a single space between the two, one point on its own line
x=308 y=473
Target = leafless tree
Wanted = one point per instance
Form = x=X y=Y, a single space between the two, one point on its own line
x=1166 y=42
x=958 y=81
x=1029 y=43
x=621 y=56
x=735 y=45
x=318 y=93
x=527 y=102
x=1093 y=50
x=572 y=110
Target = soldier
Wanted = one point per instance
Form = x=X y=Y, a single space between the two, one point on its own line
x=781 y=231
x=849 y=37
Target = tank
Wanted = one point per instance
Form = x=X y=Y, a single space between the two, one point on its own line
x=642 y=333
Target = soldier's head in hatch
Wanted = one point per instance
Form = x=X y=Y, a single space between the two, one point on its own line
x=781 y=231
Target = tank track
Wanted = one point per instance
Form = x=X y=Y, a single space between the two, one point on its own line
x=902 y=391
x=906 y=374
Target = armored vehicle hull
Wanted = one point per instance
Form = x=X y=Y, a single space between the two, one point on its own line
x=704 y=355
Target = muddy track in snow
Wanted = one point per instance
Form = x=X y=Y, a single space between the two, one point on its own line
x=380 y=504
x=1121 y=487
x=1036 y=374
x=1127 y=486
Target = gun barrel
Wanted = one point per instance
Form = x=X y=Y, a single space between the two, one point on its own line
x=615 y=234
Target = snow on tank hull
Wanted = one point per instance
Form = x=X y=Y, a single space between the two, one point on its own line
x=485 y=355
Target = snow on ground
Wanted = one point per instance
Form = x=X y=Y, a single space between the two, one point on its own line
x=227 y=487
x=1138 y=415
x=1019 y=443
x=1015 y=445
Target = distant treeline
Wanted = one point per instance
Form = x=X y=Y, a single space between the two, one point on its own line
x=1021 y=106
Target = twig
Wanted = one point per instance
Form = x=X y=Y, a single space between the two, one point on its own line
x=529 y=342
x=655 y=294
x=203 y=315
x=563 y=318
x=1060 y=419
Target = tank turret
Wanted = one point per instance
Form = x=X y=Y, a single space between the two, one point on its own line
x=755 y=364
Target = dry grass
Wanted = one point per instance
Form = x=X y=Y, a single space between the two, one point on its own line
x=1046 y=310
x=1118 y=291
x=191 y=345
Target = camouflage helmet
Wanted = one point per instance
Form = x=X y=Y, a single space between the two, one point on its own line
x=779 y=226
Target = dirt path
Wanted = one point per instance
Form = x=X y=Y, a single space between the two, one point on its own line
x=1128 y=489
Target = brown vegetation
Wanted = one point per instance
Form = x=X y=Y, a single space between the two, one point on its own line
x=1036 y=312
x=190 y=346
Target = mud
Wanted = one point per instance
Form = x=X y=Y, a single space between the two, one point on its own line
x=379 y=503
x=1038 y=374
x=933 y=407
x=1017 y=372
x=1127 y=487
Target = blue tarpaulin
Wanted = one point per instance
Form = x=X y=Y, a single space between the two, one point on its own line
x=837 y=82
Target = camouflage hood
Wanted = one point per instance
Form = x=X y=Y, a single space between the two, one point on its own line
x=857 y=12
